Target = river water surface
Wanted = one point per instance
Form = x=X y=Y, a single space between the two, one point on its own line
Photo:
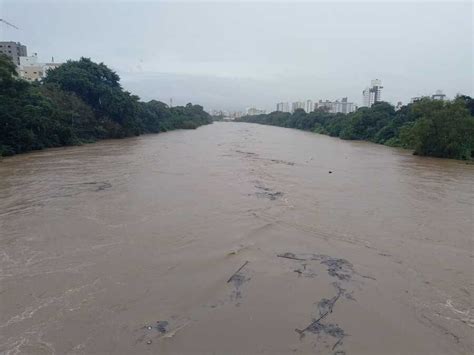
x=235 y=239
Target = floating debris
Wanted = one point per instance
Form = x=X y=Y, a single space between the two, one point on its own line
x=238 y=270
x=246 y=153
x=290 y=163
x=331 y=329
x=100 y=185
x=290 y=256
x=338 y=268
x=162 y=326
x=266 y=192
x=270 y=195
x=305 y=272
x=237 y=279
x=239 y=249
x=173 y=332
x=325 y=307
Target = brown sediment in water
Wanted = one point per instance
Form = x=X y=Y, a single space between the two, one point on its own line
x=234 y=239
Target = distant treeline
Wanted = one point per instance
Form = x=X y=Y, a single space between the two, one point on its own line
x=429 y=127
x=80 y=101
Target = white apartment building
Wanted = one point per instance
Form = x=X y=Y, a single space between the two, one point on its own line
x=337 y=106
x=372 y=94
x=29 y=68
x=308 y=106
x=252 y=111
x=346 y=107
x=297 y=105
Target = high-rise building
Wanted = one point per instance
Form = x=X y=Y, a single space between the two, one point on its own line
x=283 y=107
x=323 y=105
x=372 y=94
x=337 y=106
x=347 y=107
x=297 y=105
x=309 y=107
x=252 y=111
x=14 y=50
x=377 y=87
x=366 y=97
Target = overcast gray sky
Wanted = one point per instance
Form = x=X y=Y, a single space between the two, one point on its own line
x=231 y=55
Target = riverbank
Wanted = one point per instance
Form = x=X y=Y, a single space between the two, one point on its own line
x=443 y=129
x=100 y=142
x=80 y=101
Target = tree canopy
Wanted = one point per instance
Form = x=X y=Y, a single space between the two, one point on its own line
x=80 y=101
x=429 y=127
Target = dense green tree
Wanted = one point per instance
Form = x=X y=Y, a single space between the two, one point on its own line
x=80 y=101
x=445 y=132
x=429 y=127
x=99 y=87
x=74 y=113
x=467 y=101
x=365 y=123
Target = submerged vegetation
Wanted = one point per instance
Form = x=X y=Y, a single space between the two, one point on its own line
x=428 y=127
x=80 y=101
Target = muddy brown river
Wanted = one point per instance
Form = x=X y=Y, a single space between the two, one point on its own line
x=235 y=239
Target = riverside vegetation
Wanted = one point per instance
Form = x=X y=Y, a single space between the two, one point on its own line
x=428 y=127
x=78 y=102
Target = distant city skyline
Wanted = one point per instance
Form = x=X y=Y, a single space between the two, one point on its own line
x=333 y=106
x=255 y=54
x=30 y=69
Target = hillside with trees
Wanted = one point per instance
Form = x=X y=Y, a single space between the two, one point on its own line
x=428 y=127
x=80 y=101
